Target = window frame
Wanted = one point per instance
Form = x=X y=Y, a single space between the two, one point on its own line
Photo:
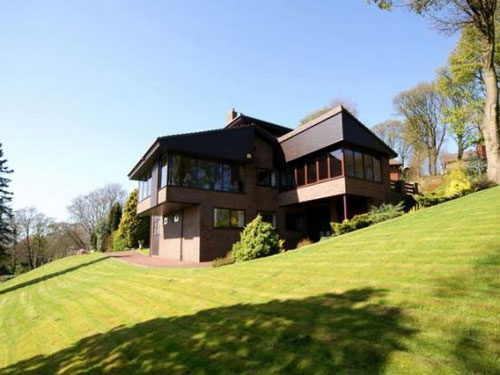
x=230 y=211
x=271 y=173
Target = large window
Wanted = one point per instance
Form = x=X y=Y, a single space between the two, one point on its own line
x=204 y=174
x=145 y=186
x=331 y=164
x=311 y=171
x=163 y=171
x=335 y=163
x=377 y=169
x=323 y=166
x=349 y=162
x=227 y=218
x=301 y=177
x=266 y=177
x=358 y=165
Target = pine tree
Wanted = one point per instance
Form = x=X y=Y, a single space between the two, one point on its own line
x=133 y=228
x=114 y=216
x=5 y=209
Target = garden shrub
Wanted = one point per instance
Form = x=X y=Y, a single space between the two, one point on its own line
x=375 y=215
x=257 y=240
x=456 y=183
x=118 y=243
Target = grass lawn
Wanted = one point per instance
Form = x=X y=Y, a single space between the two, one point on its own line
x=418 y=294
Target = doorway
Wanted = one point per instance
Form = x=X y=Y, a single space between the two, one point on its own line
x=318 y=222
x=155 y=236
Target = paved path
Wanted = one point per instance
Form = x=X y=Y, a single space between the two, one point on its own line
x=143 y=260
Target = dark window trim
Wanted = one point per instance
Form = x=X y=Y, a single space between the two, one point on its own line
x=230 y=210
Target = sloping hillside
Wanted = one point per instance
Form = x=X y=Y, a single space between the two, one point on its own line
x=418 y=294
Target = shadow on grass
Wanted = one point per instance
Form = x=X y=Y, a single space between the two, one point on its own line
x=331 y=333
x=50 y=276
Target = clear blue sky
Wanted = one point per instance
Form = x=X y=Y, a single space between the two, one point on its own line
x=86 y=86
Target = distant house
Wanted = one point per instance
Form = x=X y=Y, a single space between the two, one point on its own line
x=200 y=189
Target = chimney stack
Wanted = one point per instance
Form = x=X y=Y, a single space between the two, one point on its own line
x=231 y=115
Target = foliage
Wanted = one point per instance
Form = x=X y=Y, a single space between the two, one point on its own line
x=423 y=127
x=114 y=216
x=91 y=208
x=456 y=183
x=351 y=106
x=118 y=243
x=5 y=209
x=223 y=261
x=258 y=239
x=133 y=228
x=304 y=242
x=475 y=167
x=391 y=132
x=102 y=234
x=377 y=214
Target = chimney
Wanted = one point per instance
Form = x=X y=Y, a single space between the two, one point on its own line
x=231 y=115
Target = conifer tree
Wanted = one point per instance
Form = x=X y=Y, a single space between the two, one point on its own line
x=5 y=209
x=133 y=228
x=114 y=216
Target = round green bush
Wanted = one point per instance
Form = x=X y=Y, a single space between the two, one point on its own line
x=257 y=240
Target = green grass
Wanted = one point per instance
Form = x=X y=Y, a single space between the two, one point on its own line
x=419 y=294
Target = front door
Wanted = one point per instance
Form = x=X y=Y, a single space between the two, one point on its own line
x=155 y=237
x=318 y=222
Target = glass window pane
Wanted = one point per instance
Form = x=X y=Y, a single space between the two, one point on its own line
x=273 y=179
x=237 y=178
x=174 y=176
x=263 y=177
x=322 y=167
x=221 y=218
x=237 y=219
x=377 y=169
x=301 y=177
x=311 y=171
x=349 y=162
x=290 y=178
x=163 y=171
x=209 y=175
x=368 y=167
x=336 y=163
x=269 y=217
x=358 y=165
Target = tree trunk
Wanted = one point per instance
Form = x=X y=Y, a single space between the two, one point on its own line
x=432 y=162
x=490 y=121
x=460 y=148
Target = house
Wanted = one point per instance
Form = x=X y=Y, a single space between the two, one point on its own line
x=200 y=189
x=449 y=161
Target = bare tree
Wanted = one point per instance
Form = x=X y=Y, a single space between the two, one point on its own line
x=421 y=108
x=348 y=104
x=90 y=209
x=453 y=15
x=391 y=132
x=34 y=227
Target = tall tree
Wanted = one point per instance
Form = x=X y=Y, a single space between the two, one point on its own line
x=480 y=15
x=462 y=109
x=114 y=217
x=90 y=209
x=421 y=108
x=5 y=209
x=34 y=228
x=391 y=132
x=348 y=104
x=133 y=228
